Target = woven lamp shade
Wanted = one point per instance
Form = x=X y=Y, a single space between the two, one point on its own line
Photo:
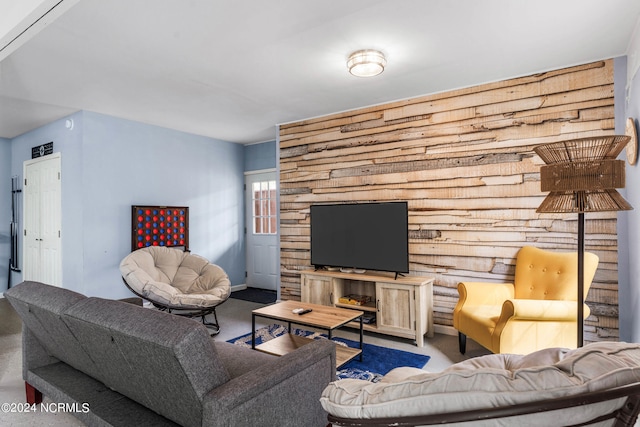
x=582 y=175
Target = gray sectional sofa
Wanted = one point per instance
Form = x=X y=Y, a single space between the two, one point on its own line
x=124 y=365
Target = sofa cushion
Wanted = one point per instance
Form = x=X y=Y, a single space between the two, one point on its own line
x=165 y=362
x=240 y=360
x=61 y=383
x=490 y=381
x=513 y=362
x=40 y=307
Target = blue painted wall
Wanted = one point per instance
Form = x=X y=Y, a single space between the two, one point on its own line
x=109 y=164
x=69 y=143
x=629 y=221
x=5 y=209
x=260 y=156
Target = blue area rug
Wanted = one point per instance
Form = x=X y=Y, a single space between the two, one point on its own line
x=377 y=361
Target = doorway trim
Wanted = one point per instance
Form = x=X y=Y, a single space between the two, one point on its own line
x=248 y=224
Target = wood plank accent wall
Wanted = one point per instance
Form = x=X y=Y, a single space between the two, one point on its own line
x=464 y=161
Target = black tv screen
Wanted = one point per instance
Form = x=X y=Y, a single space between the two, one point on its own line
x=370 y=236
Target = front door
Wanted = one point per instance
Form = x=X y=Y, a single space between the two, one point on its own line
x=262 y=230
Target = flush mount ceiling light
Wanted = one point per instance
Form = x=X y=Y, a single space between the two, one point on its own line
x=366 y=63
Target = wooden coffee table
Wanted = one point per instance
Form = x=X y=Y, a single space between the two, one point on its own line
x=321 y=317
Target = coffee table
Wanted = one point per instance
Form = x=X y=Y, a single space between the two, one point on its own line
x=321 y=317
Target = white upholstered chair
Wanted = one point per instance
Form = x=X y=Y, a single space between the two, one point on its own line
x=177 y=281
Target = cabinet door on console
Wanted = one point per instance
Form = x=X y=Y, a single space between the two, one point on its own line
x=316 y=290
x=396 y=308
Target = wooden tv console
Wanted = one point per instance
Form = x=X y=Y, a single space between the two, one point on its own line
x=403 y=307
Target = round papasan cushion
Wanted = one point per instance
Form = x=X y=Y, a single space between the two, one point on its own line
x=174 y=278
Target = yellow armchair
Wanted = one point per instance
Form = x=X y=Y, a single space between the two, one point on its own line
x=539 y=310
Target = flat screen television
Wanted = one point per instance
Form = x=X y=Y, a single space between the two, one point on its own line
x=369 y=236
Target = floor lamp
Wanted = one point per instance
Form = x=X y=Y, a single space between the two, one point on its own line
x=582 y=176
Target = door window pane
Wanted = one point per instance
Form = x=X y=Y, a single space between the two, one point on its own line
x=263 y=196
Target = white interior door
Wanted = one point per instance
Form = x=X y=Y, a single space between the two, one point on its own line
x=262 y=230
x=43 y=220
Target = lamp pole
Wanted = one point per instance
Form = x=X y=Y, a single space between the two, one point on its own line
x=580 y=319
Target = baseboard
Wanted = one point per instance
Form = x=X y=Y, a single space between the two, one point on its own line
x=238 y=287
x=445 y=330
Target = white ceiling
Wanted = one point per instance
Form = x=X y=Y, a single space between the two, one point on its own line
x=233 y=69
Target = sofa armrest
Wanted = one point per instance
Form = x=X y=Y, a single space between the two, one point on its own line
x=540 y=310
x=284 y=392
x=481 y=293
x=34 y=355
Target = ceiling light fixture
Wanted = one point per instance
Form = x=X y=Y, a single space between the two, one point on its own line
x=366 y=63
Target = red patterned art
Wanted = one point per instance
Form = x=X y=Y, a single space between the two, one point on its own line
x=159 y=226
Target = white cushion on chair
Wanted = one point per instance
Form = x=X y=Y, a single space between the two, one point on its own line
x=496 y=380
x=174 y=278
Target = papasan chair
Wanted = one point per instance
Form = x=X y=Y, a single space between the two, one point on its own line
x=177 y=281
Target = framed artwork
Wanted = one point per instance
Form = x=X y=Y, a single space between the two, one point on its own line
x=159 y=226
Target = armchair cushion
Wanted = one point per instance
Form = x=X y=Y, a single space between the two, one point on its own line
x=540 y=310
x=544 y=274
x=480 y=293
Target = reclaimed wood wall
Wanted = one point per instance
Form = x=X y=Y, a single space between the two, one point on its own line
x=464 y=161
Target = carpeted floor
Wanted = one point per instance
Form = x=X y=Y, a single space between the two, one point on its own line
x=10 y=336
